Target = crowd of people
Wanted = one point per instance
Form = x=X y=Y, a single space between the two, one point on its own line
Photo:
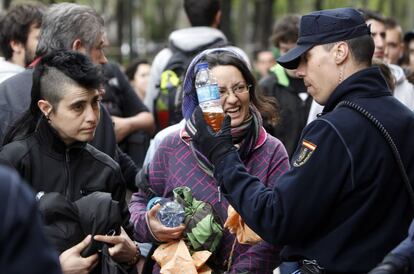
x=314 y=153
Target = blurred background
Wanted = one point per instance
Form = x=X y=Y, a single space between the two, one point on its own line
x=140 y=28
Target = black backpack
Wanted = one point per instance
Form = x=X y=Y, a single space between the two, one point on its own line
x=167 y=105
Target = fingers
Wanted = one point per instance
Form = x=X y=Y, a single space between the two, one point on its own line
x=177 y=233
x=95 y=263
x=82 y=245
x=226 y=124
x=91 y=260
x=153 y=211
x=109 y=239
x=170 y=233
x=198 y=114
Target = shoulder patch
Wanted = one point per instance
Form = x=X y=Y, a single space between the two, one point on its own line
x=305 y=153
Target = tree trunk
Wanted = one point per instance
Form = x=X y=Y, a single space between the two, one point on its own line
x=381 y=6
x=267 y=22
x=225 y=23
x=6 y=4
x=119 y=27
x=256 y=22
x=318 y=4
x=243 y=34
x=291 y=6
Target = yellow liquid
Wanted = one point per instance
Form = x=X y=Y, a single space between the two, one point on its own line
x=214 y=119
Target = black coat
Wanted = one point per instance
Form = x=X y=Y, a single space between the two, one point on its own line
x=67 y=223
x=121 y=100
x=292 y=111
x=24 y=247
x=343 y=202
x=48 y=165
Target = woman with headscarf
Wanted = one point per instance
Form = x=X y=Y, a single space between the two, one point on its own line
x=176 y=163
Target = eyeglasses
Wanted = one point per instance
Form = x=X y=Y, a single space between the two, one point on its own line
x=237 y=89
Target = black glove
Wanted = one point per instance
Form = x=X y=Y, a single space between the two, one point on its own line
x=392 y=264
x=210 y=144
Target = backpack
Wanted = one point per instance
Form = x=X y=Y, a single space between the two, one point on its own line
x=167 y=105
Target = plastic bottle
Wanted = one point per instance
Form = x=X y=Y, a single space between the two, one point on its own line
x=171 y=213
x=209 y=96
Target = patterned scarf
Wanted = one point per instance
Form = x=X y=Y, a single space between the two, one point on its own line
x=245 y=137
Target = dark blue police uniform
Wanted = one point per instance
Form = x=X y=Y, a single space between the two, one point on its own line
x=343 y=203
x=24 y=248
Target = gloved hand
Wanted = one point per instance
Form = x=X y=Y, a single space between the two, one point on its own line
x=210 y=144
x=392 y=264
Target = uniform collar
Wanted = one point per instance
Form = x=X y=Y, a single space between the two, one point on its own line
x=366 y=83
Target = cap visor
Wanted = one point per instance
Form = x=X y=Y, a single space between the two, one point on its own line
x=291 y=59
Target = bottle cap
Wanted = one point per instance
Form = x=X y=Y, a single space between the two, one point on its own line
x=153 y=202
x=202 y=65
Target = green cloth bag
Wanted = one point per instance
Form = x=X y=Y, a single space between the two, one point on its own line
x=203 y=230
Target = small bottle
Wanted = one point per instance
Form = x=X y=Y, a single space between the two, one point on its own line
x=209 y=96
x=170 y=214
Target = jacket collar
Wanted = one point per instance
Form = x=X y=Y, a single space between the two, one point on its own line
x=49 y=138
x=366 y=83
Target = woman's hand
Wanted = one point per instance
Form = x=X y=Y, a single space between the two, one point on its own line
x=161 y=232
x=123 y=250
x=72 y=262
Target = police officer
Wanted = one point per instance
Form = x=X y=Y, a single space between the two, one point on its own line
x=343 y=202
x=24 y=247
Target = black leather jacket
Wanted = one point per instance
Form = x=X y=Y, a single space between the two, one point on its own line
x=48 y=165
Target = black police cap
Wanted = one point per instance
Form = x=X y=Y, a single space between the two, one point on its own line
x=324 y=27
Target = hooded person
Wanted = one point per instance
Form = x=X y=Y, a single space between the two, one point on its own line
x=176 y=163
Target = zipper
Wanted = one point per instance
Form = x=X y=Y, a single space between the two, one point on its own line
x=67 y=170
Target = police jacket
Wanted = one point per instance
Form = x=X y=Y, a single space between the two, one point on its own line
x=343 y=202
x=292 y=110
x=48 y=165
x=24 y=247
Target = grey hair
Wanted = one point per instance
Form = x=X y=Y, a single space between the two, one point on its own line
x=64 y=23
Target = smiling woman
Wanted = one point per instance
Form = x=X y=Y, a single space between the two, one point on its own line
x=176 y=163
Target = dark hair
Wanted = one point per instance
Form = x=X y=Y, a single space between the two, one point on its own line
x=132 y=68
x=361 y=47
x=265 y=105
x=369 y=14
x=286 y=30
x=257 y=52
x=201 y=12
x=51 y=78
x=15 y=25
x=391 y=23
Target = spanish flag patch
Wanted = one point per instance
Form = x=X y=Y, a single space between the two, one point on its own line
x=305 y=153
